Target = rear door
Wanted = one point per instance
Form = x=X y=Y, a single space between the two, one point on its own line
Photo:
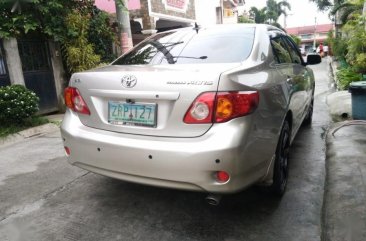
x=292 y=72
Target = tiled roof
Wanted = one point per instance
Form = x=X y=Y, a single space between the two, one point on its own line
x=321 y=28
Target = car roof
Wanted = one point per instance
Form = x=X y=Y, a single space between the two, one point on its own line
x=263 y=27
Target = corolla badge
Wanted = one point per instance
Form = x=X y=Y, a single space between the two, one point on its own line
x=129 y=81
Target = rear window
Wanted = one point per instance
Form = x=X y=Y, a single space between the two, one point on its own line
x=221 y=45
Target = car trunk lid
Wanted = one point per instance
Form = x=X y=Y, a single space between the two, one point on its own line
x=146 y=100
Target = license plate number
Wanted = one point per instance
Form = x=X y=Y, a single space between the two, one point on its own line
x=133 y=114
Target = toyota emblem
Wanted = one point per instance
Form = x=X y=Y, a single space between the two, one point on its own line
x=129 y=81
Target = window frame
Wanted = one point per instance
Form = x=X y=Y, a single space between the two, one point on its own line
x=295 y=49
x=280 y=37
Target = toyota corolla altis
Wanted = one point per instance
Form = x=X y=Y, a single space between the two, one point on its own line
x=209 y=109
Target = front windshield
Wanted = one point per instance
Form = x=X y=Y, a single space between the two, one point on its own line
x=222 y=45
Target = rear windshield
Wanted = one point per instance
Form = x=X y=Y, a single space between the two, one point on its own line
x=222 y=45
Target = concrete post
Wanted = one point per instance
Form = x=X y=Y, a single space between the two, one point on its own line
x=58 y=73
x=13 y=61
x=124 y=27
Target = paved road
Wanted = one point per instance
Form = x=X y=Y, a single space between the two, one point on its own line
x=44 y=198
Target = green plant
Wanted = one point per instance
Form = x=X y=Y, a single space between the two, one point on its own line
x=275 y=9
x=45 y=16
x=100 y=34
x=244 y=19
x=340 y=48
x=15 y=127
x=345 y=76
x=356 y=42
x=17 y=104
x=259 y=15
x=79 y=52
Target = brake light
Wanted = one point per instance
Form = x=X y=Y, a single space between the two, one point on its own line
x=75 y=101
x=218 y=107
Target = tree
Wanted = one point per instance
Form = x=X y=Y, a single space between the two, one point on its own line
x=323 y=5
x=84 y=32
x=244 y=19
x=275 y=10
x=347 y=9
x=45 y=16
x=258 y=14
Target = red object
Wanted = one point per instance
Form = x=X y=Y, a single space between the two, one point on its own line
x=321 y=48
x=75 y=101
x=243 y=103
x=221 y=106
x=67 y=150
x=222 y=176
x=205 y=100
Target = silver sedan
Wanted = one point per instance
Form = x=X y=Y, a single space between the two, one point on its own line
x=209 y=109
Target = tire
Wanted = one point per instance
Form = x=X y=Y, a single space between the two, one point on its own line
x=309 y=116
x=281 y=170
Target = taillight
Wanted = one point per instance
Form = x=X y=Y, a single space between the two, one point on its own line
x=230 y=105
x=218 y=107
x=75 y=101
x=67 y=151
x=201 y=110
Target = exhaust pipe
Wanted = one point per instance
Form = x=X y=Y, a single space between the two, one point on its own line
x=213 y=199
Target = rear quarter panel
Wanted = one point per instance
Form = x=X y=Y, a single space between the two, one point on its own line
x=259 y=73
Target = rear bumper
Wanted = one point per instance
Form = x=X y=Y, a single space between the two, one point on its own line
x=180 y=163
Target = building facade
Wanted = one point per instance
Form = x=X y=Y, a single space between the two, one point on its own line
x=150 y=16
x=311 y=34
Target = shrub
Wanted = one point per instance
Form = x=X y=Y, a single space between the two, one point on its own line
x=79 y=52
x=345 y=76
x=17 y=103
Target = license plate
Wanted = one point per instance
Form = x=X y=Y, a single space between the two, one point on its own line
x=133 y=114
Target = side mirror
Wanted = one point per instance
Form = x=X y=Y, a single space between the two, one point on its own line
x=313 y=59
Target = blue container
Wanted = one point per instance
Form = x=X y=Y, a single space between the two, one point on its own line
x=358 y=91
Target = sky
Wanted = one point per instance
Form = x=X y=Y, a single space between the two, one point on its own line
x=302 y=13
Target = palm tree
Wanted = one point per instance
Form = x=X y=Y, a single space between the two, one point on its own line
x=275 y=10
x=324 y=4
x=258 y=14
x=347 y=8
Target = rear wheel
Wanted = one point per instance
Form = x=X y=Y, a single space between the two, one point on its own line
x=280 y=171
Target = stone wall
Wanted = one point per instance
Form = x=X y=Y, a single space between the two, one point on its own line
x=157 y=6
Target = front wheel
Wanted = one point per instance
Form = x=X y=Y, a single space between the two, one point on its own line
x=280 y=171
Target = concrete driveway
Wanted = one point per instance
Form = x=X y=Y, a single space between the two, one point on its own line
x=42 y=197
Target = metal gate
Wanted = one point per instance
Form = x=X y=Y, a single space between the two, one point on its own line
x=38 y=74
x=4 y=76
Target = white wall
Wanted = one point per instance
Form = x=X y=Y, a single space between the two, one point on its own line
x=206 y=11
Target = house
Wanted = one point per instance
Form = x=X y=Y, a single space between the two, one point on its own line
x=309 y=34
x=150 y=16
x=36 y=63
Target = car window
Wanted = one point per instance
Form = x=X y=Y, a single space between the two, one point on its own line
x=223 y=45
x=280 y=50
x=296 y=57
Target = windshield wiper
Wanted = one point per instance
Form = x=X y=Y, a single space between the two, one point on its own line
x=172 y=59
x=188 y=57
x=167 y=45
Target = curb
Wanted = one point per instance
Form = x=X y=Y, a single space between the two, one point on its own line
x=343 y=212
x=28 y=133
